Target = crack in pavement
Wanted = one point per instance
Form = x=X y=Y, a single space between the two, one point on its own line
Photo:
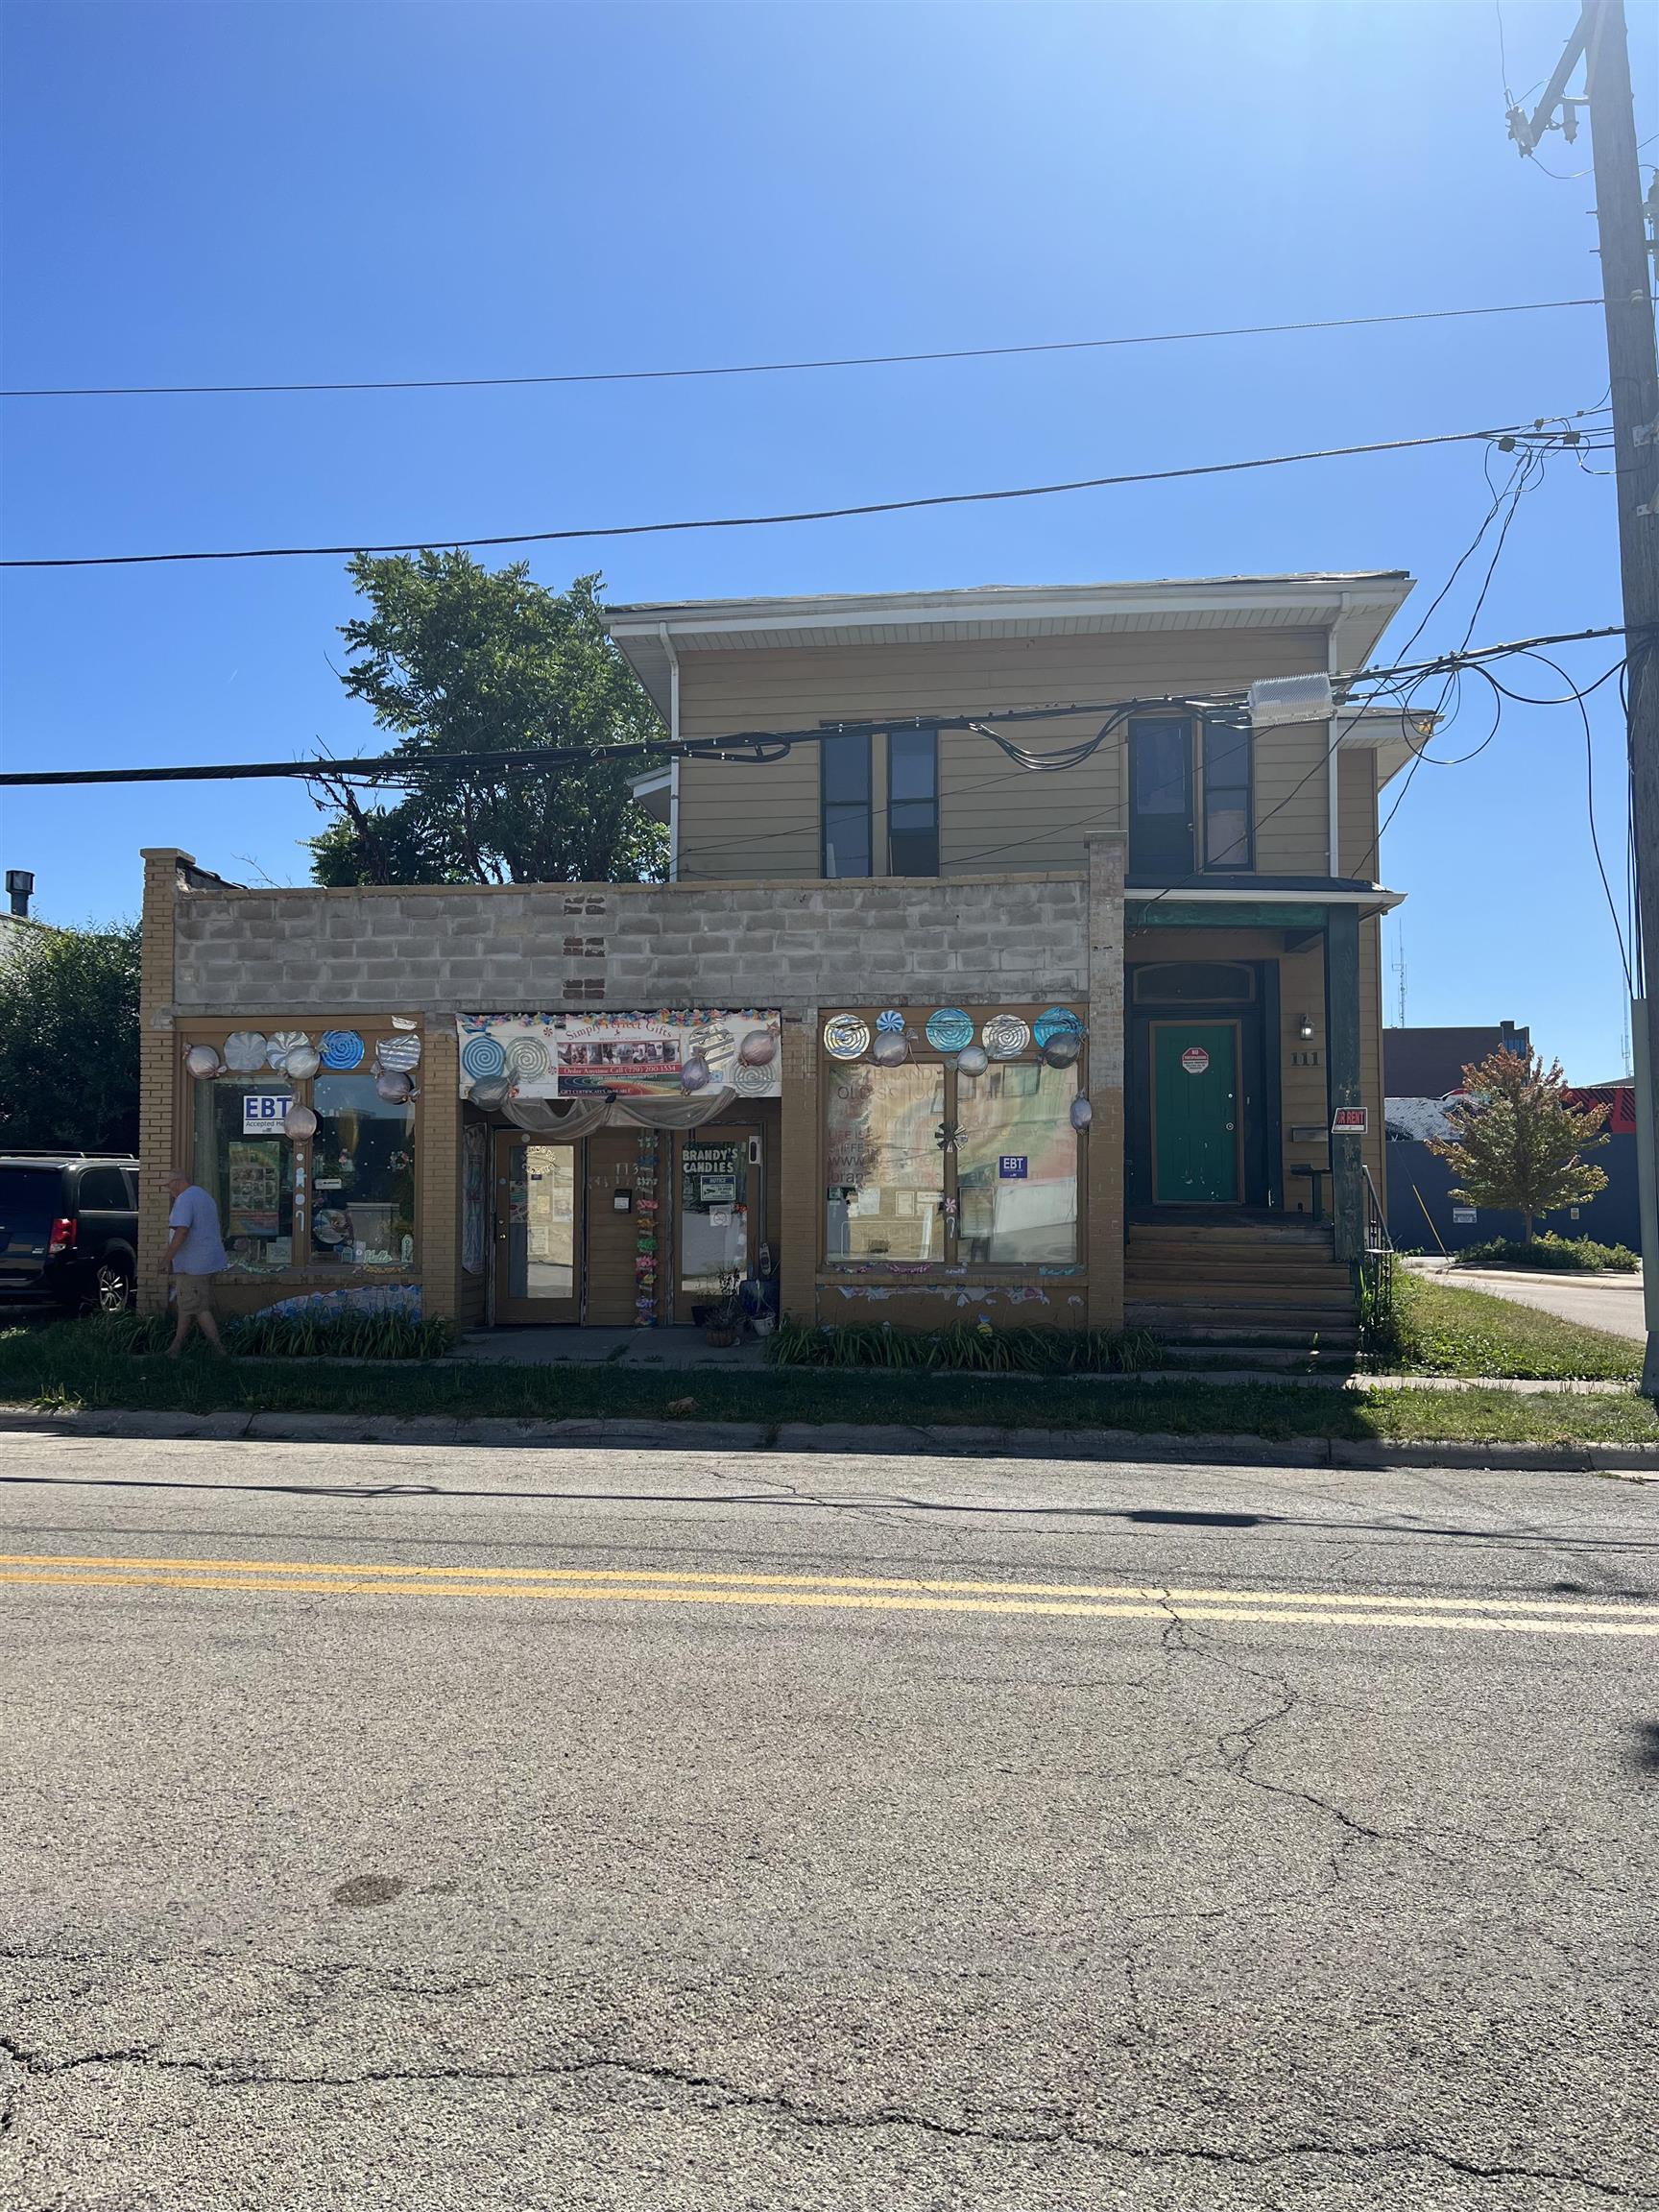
x=731 y=2095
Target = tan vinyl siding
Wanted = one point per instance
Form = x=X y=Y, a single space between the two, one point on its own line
x=1356 y=820
x=742 y=819
x=1293 y=801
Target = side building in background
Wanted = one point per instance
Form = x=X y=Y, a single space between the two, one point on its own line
x=1423 y=1069
x=1035 y=1021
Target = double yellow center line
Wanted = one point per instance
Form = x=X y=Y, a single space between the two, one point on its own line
x=644 y=1586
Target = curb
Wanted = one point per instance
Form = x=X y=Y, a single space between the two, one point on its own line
x=877 y=1439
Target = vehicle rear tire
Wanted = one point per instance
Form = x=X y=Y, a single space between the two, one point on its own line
x=113 y=1286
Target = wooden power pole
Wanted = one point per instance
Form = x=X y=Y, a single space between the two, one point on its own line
x=1628 y=304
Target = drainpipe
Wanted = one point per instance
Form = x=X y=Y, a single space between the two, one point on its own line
x=1333 y=778
x=674 y=762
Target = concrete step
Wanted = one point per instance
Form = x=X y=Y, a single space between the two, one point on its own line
x=1279 y=1231
x=1269 y=1359
x=1256 y=1274
x=1221 y=1290
x=1228 y=1324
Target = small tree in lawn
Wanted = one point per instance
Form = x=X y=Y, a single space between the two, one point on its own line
x=1517 y=1143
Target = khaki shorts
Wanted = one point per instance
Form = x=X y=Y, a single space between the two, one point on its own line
x=194 y=1293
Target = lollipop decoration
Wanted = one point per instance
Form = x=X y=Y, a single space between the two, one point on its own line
x=245 y=1051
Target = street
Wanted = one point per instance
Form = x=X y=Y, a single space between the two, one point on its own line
x=469 y=1828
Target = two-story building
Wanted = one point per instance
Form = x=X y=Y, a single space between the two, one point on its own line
x=1008 y=969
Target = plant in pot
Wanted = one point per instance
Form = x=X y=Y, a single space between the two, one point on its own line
x=725 y=1317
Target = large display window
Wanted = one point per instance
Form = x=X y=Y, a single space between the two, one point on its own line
x=941 y=1150
x=331 y=1193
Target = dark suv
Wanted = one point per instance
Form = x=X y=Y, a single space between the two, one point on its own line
x=69 y=1228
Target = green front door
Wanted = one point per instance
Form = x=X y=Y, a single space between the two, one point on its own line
x=1196 y=1147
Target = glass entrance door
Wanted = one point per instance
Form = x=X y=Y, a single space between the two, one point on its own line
x=538 y=1230
x=717 y=1189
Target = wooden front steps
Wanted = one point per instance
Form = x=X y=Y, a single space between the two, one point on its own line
x=1271 y=1283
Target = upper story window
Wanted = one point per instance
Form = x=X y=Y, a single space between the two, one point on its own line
x=913 y=802
x=844 y=769
x=859 y=840
x=1161 y=797
x=1190 y=797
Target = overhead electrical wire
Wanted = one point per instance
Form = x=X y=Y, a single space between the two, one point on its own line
x=399 y=768
x=1521 y=433
x=781 y=368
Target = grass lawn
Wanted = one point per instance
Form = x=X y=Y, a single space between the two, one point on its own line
x=1446 y=1329
x=70 y=1366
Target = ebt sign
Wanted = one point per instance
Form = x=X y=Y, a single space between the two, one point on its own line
x=265 y=1112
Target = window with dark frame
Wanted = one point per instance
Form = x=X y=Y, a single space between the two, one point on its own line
x=1228 y=822
x=845 y=779
x=1161 y=797
x=913 y=802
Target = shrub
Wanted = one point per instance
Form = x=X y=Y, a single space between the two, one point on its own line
x=284 y=1335
x=963 y=1348
x=1580 y=1253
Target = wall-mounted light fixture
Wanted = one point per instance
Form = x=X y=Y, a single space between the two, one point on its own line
x=1304 y=1028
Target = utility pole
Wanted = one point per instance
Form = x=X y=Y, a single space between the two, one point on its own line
x=1627 y=295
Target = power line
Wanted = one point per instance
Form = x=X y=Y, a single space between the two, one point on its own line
x=752 y=744
x=779 y=368
x=1518 y=431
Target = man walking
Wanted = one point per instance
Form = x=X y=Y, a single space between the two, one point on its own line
x=194 y=1253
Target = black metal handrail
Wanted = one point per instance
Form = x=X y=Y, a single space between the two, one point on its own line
x=1377 y=1236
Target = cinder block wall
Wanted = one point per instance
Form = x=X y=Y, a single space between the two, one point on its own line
x=636 y=945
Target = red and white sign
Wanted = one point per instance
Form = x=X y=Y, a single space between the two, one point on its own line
x=1195 y=1059
x=1351 y=1121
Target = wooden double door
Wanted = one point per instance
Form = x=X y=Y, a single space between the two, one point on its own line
x=584 y=1230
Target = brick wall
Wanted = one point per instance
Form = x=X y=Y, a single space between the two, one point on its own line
x=322 y=953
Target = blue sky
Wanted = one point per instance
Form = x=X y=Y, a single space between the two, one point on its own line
x=263 y=192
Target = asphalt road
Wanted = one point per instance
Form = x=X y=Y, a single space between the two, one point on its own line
x=477 y=1829
x=1609 y=1302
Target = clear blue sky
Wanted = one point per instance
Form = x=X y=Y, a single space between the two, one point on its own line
x=231 y=193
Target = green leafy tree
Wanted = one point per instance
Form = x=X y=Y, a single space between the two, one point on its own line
x=457 y=658
x=69 y=1039
x=1518 y=1143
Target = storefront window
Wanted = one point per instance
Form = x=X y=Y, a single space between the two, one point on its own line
x=247 y=1166
x=885 y=1164
x=1017 y=1166
x=362 y=1176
